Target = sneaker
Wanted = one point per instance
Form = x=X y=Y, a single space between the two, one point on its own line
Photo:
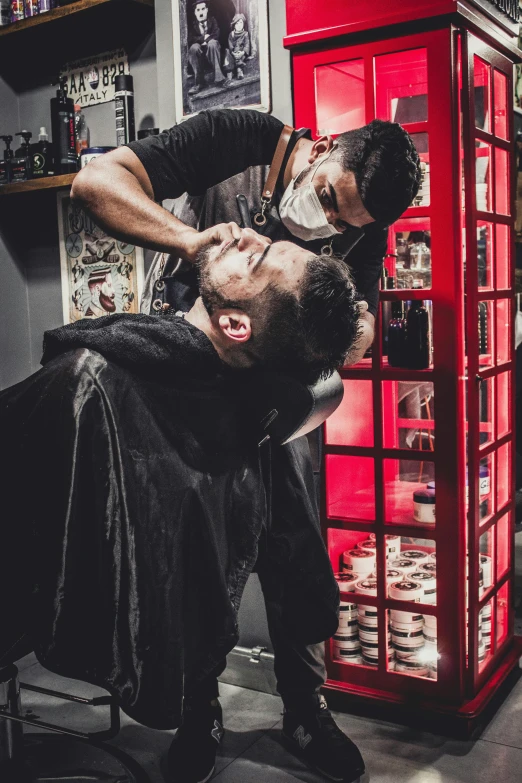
x=313 y=735
x=192 y=754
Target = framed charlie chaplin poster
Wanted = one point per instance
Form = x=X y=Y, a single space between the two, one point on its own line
x=221 y=53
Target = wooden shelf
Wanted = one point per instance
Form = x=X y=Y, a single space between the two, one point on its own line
x=34 y=185
x=33 y=50
x=58 y=13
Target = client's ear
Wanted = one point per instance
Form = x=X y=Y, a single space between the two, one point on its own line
x=235 y=324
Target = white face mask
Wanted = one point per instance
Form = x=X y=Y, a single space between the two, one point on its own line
x=302 y=213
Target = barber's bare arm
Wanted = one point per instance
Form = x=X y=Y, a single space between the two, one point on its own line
x=116 y=191
x=365 y=339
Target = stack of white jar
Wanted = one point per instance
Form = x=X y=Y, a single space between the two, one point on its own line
x=346 y=644
x=407 y=628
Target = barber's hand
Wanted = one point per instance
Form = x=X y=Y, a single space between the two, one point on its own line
x=192 y=241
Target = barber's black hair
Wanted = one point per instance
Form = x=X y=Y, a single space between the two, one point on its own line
x=386 y=166
x=306 y=334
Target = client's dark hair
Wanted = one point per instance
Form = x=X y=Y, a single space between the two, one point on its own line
x=306 y=334
x=386 y=166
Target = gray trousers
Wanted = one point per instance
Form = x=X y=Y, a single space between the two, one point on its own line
x=201 y=57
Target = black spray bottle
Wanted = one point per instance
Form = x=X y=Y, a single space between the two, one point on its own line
x=5 y=164
x=397 y=336
x=22 y=163
x=418 y=336
x=42 y=153
x=63 y=132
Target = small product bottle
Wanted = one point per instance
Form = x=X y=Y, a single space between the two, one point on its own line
x=17 y=10
x=124 y=103
x=82 y=131
x=5 y=12
x=397 y=336
x=64 y=133
x=22 y=162
x=43 y=156
x=5 y=164
x=45 y=5
x=31 y=8
x=417 y=336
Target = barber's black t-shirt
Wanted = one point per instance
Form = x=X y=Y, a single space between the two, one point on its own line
x=213 y=146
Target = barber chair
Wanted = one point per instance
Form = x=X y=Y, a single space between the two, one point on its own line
x=287 y=410
x=66 y=756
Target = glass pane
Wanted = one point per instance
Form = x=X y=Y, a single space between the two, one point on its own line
x=339 y=89
x=503 y=545
x=422 y=199
x=503 y=611
x=485 y=624
x=408 y=500
x=352 y=423
x=485 y=254
x=408 y=415
x=409 y=340
x=502 y=256
x=504 y=334
x=504 y=404
x=401 y=86
x=410 y=245
x=483 y=176
x=350 y=484
x=502 y=182
x=414 y=644
x=504 y=475
x=486 y=561
x=485 y=483
x=500 y=88
x=486 y=408
x=485 y=333
x=482 y=90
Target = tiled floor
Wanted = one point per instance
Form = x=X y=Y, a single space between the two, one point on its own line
x=252 y=751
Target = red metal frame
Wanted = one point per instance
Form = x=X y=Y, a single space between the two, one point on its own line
x=462 y=687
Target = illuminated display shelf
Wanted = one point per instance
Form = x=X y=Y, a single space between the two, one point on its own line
x=402 y=438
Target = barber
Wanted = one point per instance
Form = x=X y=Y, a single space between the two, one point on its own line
x=335 y=196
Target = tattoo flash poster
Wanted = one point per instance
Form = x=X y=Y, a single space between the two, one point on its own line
x=100 y=275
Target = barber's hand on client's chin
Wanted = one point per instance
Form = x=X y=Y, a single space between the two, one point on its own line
x=192 y=241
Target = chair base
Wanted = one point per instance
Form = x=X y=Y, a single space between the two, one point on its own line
x=59 y=759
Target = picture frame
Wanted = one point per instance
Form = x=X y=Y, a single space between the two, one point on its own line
x=209 y=73
x=100 y=275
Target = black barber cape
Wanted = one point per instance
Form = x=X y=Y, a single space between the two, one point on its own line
x=133 y=500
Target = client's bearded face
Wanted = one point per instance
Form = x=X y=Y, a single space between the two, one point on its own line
x=241 y=270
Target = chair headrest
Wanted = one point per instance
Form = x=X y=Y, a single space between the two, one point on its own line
x=287 y=408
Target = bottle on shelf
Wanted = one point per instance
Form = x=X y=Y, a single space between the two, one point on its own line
x=42 y=153
x=397 y=336
x=22 y=162
x=388 y=283
x=82 y=130
x=63 y=132
x=5 y=12
x=417 y=336
x=31 y=8
x=124 y=105
x=46 y=5
x=17 y=10
x=5 y=164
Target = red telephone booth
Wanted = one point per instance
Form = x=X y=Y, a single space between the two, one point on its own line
x=418 y=465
